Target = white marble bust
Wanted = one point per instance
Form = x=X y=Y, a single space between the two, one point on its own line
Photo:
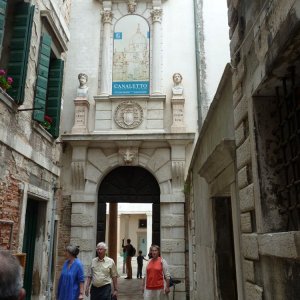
x=82 y=90
x=177 y=88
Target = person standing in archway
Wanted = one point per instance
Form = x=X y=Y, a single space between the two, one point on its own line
x=129 y=253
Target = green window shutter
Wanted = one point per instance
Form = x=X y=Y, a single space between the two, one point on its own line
x=2 y=18
x=19 y=50
x=55 y=82
x=42 y=79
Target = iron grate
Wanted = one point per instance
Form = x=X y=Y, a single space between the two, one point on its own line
x=288 y=101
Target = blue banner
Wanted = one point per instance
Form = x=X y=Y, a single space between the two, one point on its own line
x=130 y=88
x=118 y=35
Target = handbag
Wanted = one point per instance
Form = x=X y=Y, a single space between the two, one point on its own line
x=113 y=297
x=171 y=282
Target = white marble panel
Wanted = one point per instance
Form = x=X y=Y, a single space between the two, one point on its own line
x=102 y=124
x=103 y=106
x=103 y=115
x=155 y=114
x=155 y=124
x=155 y=105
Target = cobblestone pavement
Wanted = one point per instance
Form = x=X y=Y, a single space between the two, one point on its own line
x=129 y=289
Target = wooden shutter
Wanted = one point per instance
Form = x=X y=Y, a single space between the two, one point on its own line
x=42 y=79
x=2 y=19
x=19 y=50
x=55 y=82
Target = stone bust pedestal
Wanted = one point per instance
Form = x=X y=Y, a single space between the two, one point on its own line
x=178 y=125
x=82 y=106
x=177 y=102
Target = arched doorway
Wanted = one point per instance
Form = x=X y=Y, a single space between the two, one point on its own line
x=129 y=184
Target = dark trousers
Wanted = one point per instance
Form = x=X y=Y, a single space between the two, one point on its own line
x=102 y=292
x=139 y=271
x=128 y=267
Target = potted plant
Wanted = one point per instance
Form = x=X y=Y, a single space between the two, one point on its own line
x=5 y=81
x=47 y=122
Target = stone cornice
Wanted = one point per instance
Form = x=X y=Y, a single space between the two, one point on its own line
x=102 y=138
x=129 y=97
x=122 y=1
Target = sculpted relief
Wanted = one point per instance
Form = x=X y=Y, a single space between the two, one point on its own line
x=177 y=88
x=131 y=6
x=128 y=114
x=82 y=90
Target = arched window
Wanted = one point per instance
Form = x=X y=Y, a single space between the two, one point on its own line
x=131 y=56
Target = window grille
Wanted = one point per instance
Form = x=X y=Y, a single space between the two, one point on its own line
x=288 y=101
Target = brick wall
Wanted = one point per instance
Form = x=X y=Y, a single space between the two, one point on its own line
x=10 y=209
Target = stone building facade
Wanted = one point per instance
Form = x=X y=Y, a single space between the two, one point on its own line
x=212 y=214
x=255 y=165
x=34 y=37
x=265 y=84
x=128 y=136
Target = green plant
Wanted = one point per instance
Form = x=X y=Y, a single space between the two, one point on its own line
x=5 y=82
x=47 y=122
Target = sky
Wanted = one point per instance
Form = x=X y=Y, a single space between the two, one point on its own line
x=216 y=33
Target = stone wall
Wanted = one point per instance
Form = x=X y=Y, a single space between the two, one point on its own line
x=212 y=174
x=263 y=39
x=30 y=156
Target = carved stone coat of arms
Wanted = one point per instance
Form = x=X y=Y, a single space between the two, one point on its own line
x=128 y=114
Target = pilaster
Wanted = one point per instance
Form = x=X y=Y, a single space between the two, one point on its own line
x=105 y=80
x=156 y=15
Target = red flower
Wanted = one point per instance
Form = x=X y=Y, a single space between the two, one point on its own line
x=48 y=119
x=5 y=82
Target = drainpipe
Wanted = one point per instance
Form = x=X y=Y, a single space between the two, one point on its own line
x=200 y=59
x=51 y=241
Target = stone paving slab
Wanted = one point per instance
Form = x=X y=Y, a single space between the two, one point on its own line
x=129 y=289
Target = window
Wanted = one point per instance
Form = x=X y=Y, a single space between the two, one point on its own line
x=47 y=101
x=142 y=223
x=15 y=34
x=16 y=19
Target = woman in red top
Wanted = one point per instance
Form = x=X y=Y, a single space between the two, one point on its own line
x=156 y=284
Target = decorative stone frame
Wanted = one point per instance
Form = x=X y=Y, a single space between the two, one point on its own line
x=111 y=14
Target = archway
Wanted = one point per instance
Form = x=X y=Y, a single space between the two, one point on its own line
x=129 y=184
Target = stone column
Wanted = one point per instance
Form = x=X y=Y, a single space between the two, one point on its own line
x=105 y=79
x=149 y=230
x=119 y=239
x=156 y=14
x=113 y=231
x=126 y=232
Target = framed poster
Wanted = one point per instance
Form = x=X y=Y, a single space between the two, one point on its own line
x=131 y=56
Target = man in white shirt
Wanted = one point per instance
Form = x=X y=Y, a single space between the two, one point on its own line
x=101 y=274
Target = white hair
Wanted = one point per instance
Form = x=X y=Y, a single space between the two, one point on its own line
x=102 y=245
